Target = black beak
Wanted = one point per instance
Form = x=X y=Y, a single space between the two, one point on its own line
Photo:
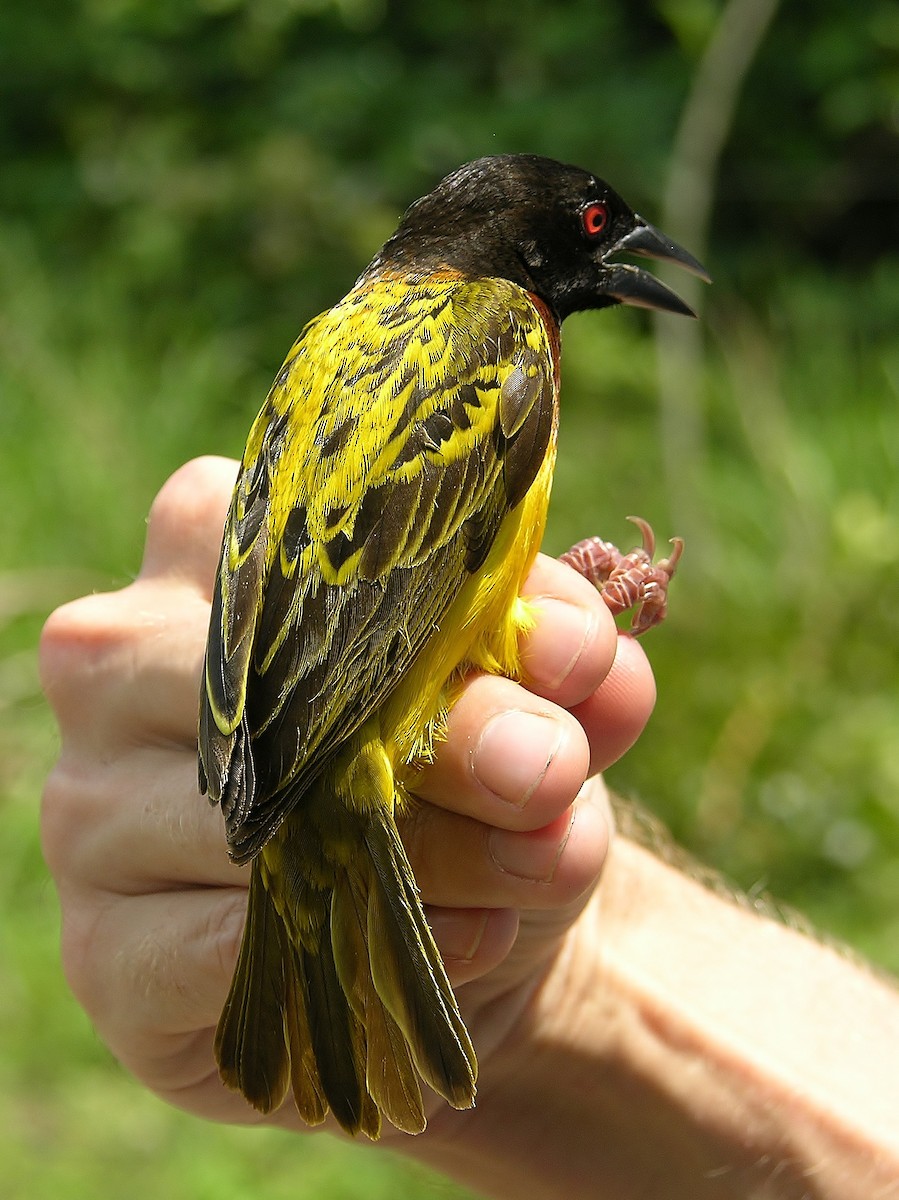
x=631 y=285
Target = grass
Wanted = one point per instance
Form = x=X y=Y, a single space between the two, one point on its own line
x=772 y=752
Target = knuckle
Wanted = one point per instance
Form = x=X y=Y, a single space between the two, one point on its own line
x=72 y=805
x=79 y=941
x=56 y=821
x=76 y=640
x=92 y=650
x=61 y=638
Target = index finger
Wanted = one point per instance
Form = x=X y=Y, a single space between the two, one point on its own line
x=124 y=666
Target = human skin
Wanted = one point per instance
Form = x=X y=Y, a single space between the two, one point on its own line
x=637 y=1035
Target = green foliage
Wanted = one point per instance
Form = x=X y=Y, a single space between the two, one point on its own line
x=184 y=183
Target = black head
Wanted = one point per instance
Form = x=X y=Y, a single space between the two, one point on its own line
x=551 y=228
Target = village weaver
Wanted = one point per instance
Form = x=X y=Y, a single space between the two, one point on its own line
x=390 y=502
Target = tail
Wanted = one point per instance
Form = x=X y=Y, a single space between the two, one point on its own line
x=340 y=993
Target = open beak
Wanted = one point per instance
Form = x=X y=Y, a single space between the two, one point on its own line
x=631 y=285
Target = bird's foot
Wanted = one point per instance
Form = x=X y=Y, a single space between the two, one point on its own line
x=632 y=580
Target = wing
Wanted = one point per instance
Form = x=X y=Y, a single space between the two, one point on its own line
x=405 y=425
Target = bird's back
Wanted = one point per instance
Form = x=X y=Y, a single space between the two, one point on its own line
x=384 y=516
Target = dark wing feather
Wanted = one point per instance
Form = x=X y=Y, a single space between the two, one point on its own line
x=226 y=763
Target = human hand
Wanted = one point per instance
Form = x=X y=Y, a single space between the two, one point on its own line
x=507 y=845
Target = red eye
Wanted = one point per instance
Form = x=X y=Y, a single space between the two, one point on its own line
x=595 y=218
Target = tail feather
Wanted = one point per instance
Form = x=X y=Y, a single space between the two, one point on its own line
x=308 y=1094
x=340 y=991
x=390 y=1074
x=409 y=975
x=250 y=1042
x=389 y=1071
x=337 y=1040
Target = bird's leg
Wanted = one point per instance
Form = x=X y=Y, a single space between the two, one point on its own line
x=630 y=580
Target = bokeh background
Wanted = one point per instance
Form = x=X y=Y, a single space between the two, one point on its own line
x=184 y=182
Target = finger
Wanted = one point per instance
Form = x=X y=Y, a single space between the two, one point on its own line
x=617 y=712
x=472 y=941
x=95 y=835
x=152 y=972
x=461 y=862
x=125 y=666
x=515 y=761
x=184 y=529
x=154 y=966
x=572 y=646
x=542 y=929
x=94 y=649
x=510 y=758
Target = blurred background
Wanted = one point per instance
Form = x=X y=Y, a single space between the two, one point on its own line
x=183 y=184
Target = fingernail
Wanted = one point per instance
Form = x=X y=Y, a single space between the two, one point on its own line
x=533 y=856
x=513 y=754
x=458 y=933
x=551 y=659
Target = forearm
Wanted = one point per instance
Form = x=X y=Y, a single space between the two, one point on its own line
x=684 y=1072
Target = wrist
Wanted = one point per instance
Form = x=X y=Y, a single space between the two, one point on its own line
x=657 y=1059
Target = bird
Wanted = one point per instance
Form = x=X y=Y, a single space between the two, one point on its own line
x=390 y=501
